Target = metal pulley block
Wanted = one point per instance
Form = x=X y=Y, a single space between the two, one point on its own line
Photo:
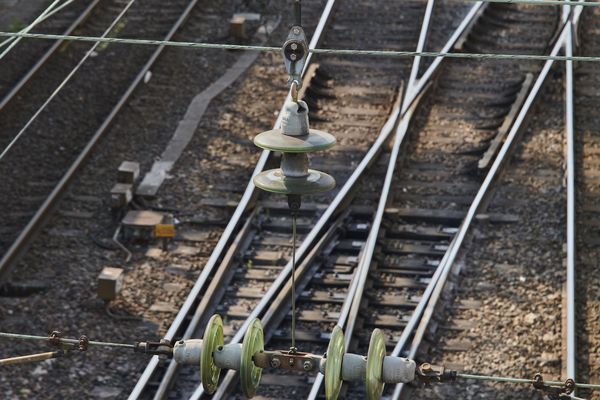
x=295 y=139
x=295 y=53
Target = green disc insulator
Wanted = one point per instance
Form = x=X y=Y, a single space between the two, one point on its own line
x=275 y=140
x=249 y=373
x=373 y=381
x=333 y=365
x=274 y=181
x=213 y=339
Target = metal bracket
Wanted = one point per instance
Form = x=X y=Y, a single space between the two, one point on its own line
x=433 y=373
x=287 y=360
x=295 y=53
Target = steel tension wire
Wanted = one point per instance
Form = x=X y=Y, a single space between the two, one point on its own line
x=502 y=379
x=53 y=339
x=298 y=12
x=293 y=348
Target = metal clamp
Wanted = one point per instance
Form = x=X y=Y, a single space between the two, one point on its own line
x=84 y=343
x=433 y=373
x=295 y=53
x=162 y=348
x=554 y=393
x=287 y=360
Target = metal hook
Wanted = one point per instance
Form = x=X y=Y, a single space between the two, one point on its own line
x=295 y=85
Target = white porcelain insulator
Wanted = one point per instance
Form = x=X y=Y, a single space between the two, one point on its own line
x=398 y=370
x=294 y=121
x=229 y=356
x=354 y=367
x=188 y=352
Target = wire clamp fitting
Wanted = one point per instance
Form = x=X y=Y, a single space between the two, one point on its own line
x=54 y=339
x=554 y=393
x=287 y=360
x=84 y=343
x=164 y=348
x=295 y=53
x=433 y=373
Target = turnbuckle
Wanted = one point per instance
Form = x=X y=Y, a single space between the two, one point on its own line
x=553 y=392
x=434 y=373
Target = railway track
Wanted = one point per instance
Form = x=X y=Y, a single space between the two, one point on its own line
x=25 y=60
x=78 y=236
x=30 y=201
x=412 y=246
x=546 y=283
x=264 y=247
x=418 y=223
x=587 y=158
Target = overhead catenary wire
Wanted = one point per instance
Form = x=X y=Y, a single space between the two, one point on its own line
x=322 y=51
x=20 y=336
x=26 y=29
x=504 y=379
x=67 y=79
x=488 y=378
x=49 y=12
x=543 y=2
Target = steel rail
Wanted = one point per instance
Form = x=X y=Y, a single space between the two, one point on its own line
x=21 y=244
x=214 y=288
x=435 y=287
x=282 y=303
x=332 y=209
x=349 y=310
x=221 y=247
x=572 y=17
x=570 y=171
x=25 y=237
x=42 y=61
x=416 y=90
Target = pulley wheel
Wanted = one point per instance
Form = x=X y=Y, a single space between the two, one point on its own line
x=249 y=373
x=213 y=339
x=333 y=365
x=373 y=381
x=275 y=181
x=276 y=140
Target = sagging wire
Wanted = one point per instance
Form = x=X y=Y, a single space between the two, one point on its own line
x=321 y=51
x=49 y=12
x=67 y=79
